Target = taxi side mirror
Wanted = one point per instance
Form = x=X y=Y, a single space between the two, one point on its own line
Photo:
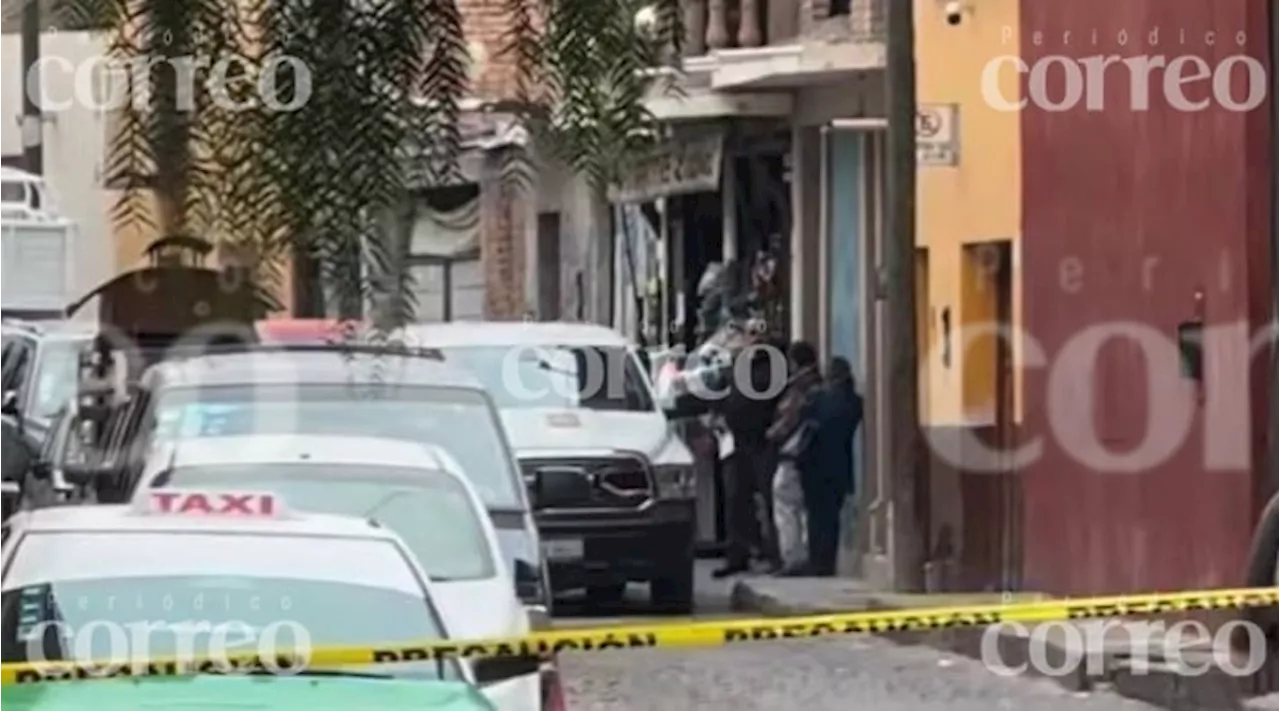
x=493 y=670
x=11 y=489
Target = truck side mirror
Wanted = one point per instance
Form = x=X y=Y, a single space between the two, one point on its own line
x=9 y=405
x=646 y=362
x=539 y=617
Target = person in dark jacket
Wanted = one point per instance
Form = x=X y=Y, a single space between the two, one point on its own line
x=826 y=466
x=746 y=474
x=749 y=510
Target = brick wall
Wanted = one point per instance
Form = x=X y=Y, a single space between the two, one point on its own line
x=502 y=205
x=502 y=243
x=486 y=23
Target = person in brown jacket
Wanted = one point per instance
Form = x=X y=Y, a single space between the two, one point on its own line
x=790 y=434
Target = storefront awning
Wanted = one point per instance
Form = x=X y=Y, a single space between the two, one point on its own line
x=677 y=167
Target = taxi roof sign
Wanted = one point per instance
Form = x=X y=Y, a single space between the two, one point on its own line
x=180 y=502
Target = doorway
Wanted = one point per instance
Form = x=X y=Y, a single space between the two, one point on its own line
x=924 y=341
x=988 y=400
x=548 y=260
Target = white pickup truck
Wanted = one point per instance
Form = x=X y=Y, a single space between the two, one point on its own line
x=38 y=257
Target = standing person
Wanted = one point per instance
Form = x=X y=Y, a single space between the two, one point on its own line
x=748 y=415
x=791 y=434
x=826 y=468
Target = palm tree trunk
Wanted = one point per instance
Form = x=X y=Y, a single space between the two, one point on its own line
x=169 y=120
x=308 y=297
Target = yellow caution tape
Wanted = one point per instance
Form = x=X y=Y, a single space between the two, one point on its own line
x=684 y=634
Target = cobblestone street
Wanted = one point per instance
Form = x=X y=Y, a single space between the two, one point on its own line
x=862 y=673
x=825 y=675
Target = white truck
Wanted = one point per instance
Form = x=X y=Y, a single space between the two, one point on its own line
x=38 y=246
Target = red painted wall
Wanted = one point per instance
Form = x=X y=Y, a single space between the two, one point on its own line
x=1127 y=215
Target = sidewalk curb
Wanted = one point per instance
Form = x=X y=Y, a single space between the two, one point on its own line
x=1161 y=685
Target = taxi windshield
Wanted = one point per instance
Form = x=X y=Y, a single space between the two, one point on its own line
x=568 y=377
x=460 y=421
x=83 y=595
x=429 y=510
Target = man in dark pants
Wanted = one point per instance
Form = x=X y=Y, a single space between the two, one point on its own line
x=748 y=482
x=826 y=470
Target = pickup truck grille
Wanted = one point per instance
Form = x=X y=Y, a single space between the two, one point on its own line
x=621 y=482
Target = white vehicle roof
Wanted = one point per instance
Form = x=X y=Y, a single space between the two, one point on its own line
x=481 y=608
x=312 y=544
x=513 y=333
x=275 y=449
x=321 y=367
x=113 y=518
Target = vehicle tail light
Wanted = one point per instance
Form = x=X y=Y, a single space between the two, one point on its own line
x=552 y=691
x=675 y=482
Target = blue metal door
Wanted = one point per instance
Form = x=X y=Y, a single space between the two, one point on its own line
x=847 y=309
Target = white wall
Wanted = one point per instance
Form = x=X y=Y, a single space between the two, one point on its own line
x=73 y=143
x=581 y=222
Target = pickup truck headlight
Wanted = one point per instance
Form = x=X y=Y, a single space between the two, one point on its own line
x=675 y=481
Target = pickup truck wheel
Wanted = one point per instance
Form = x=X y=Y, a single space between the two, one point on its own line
x=673 y=594
x=611 y=594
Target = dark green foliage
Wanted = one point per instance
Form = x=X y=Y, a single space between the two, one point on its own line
x=382 y=93
x=584 y=79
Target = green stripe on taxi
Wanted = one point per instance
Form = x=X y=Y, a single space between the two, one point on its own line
x=282 y=693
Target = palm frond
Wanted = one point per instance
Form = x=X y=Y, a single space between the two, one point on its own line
x=378 y=103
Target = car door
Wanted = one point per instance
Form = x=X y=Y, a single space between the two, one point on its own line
x=127 y=442
x=44 y=484
x=12 y=531
x=16 y=451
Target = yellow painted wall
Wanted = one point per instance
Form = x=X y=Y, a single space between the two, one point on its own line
x=131 y=241
x=977 y=201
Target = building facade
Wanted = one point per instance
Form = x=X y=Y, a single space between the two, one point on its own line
x=1148 y=259
x=471 y=258
x=73 y=139
x=968 y=287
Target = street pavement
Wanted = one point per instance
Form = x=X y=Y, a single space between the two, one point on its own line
x=819 y=675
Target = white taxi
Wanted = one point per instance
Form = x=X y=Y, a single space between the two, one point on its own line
x=210 y=574
x=417 y=491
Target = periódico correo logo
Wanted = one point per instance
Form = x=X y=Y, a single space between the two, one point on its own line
x=119 y=645
x=1077 y=644
x=1188 y=83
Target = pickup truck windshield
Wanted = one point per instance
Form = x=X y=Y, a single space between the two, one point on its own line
x=460 y=421
x=588 y=377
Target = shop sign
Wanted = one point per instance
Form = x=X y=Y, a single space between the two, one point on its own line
x=678 y=167
x=937 y=135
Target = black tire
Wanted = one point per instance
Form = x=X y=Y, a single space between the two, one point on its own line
x=674 y=594
x=602 y=595
x=1262 y=567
